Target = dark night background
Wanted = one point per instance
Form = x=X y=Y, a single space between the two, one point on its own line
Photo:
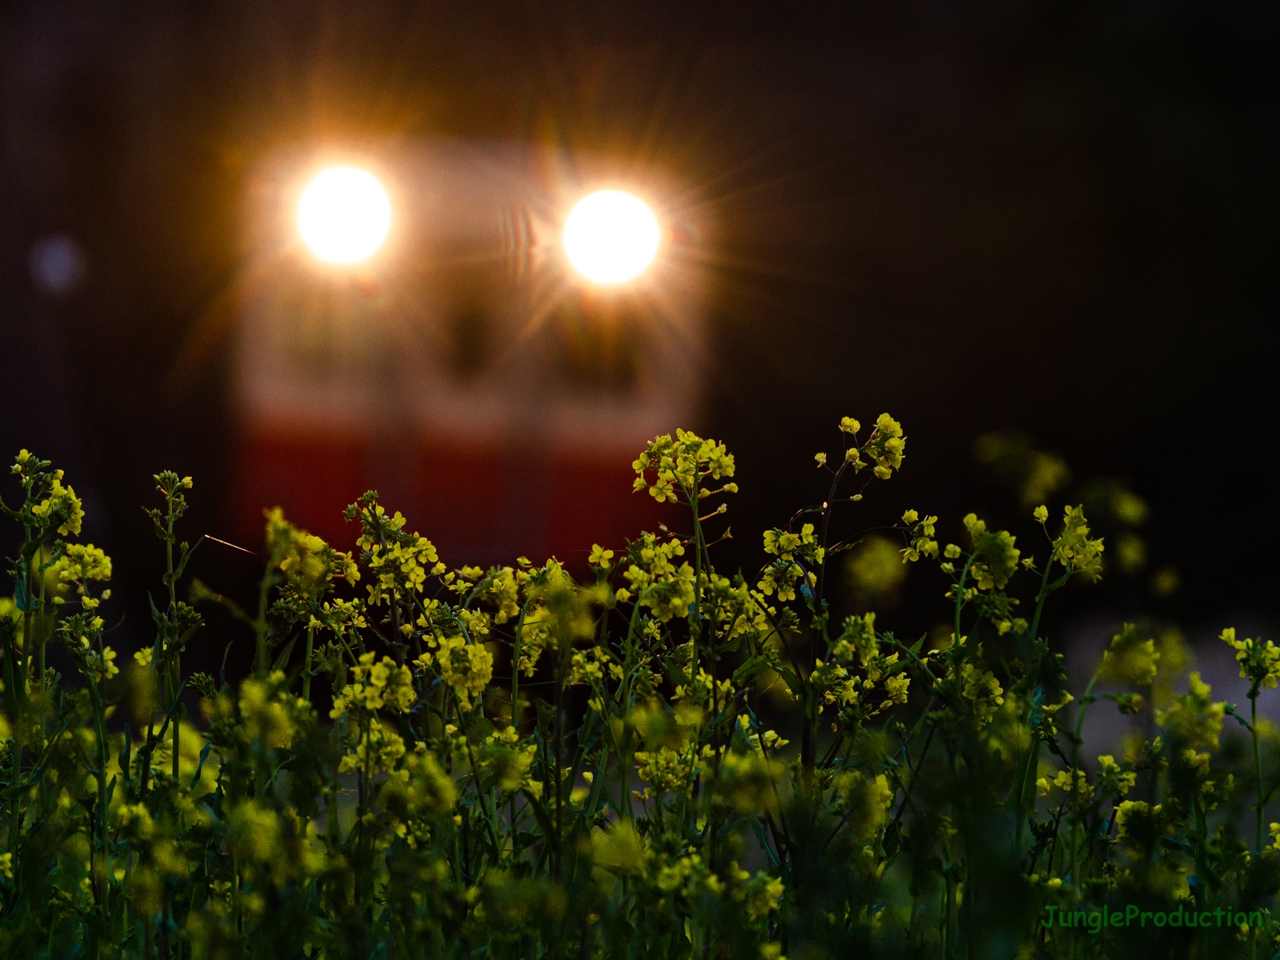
x=1057 y=218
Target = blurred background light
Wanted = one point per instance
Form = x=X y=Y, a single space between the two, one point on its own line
x=461 y=373
x=611 y=236
x=57 y=265
x=344 y=215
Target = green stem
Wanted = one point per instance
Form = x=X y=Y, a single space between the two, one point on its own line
x=515 y=676
x=1084 y=705
x=809 y=733
x=559 y=747
x=19 y=695
x=697 y=579
x=44 y=634
x=1028 y=766
x=1075 y=762
x=1041 y=597
x=484 y=803
x=306 y=664
x=100 y=728
x=822 y=536
x=171 y=633
x=964 y=575
x=331 y=802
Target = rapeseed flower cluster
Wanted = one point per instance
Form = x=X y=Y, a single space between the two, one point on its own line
x=82 y=562
x=748 y=782
x=980 y=689
x=420 y=788
x=1259 y=660
x=1075 y=548
x=865 y=801
x=270 y=712
x=668 y=770
x=680 y=467
x=61 y=508
x=1130 y=659
x=655 y=580
x=787 y=546
x=1195 y=719
x=994 y=556
x=886 y=446
x=466 y=667
x=922 y=542
x=376 y=685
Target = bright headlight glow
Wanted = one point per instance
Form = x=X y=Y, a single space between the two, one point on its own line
x=344 y=215
x=611 y=236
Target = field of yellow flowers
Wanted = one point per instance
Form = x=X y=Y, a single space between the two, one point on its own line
x=454 y=802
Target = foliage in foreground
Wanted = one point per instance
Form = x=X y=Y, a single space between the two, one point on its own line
x=935 y=805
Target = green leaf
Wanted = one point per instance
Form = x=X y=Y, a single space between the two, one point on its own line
x=540 y=812
x=479 y=727
x=204 y=755
x=792 y=681
x=187 y=551
x=764 y=841
x=284 y=655
x=749 y=671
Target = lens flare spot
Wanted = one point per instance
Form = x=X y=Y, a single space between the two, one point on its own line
x=611 y=236
x=344 y=215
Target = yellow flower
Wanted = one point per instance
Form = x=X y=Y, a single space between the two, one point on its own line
x=656 y=581
x=1138 y=824
x=1075 y=549
x=666 y=769
x=1123 y=780
x=1194 y=718
x=1129 y=659
x=982 y=690
x=995 y=557
x=252 y=831
x=63 y=504
x=684 y=462
x=268 y=711
x=467 y=667
x=1073 y=782
x=867 y=799
x=784 y=544
x=1259 y=660
x=426 y=791
x=887 y=446
x=619 y=849
x=748 y=782
x=83 y=561
x=763 y=895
